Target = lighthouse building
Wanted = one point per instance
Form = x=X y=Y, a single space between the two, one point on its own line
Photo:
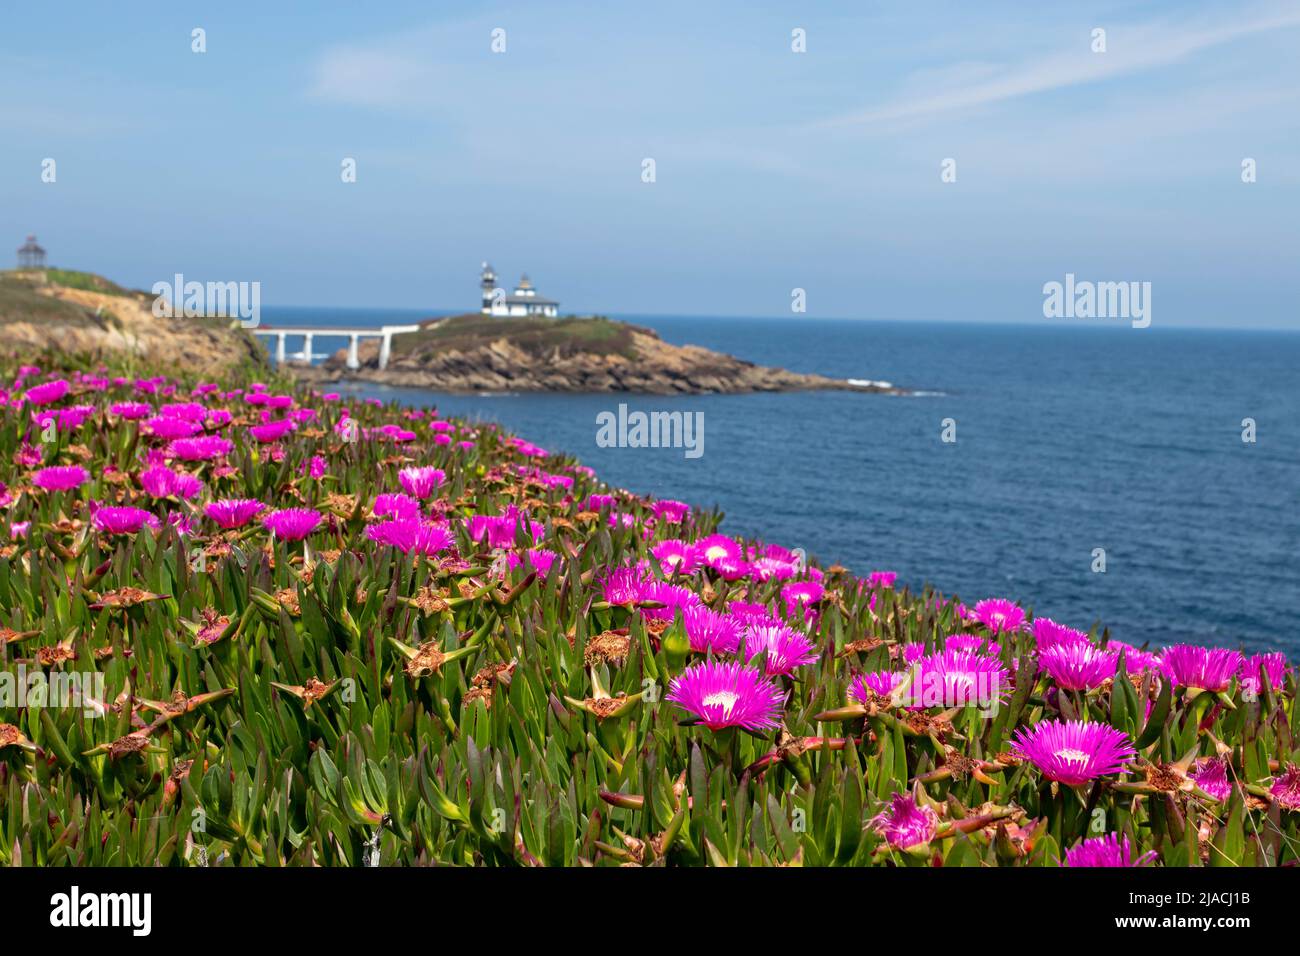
x=524 y=301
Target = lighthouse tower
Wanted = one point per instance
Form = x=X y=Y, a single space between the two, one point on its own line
x=489 y=284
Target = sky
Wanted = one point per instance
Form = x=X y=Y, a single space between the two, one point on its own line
x=774 y=170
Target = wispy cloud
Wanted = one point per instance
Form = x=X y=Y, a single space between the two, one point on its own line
x=1129 y=50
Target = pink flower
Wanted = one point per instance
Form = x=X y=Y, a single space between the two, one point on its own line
x=785 y=647
x=905 y=824
x=61 y=477
x=160 y=482
x=420 y=482
x=130 y=410
x=123 y=520
x=711 y=632
x=1109 y=850
x=411 y=534
x=1078 y=665
x=999 y=615
x=727 y=694
x=675 y=555
x=1047 y=633
x=200 y=449
x=292 y=524
x=48 y=392
x=1286 y=788
x=395 y=506
x=169 y=429
x=1188 y=665
x=271 y=431
x=1073 y=752
x=231 y=513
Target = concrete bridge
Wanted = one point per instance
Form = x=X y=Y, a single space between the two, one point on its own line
x=384 y=332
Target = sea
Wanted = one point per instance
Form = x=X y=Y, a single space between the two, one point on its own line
x=1098 y=474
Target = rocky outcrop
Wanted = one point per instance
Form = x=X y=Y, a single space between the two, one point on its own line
x=39 y=314
x=492 y=361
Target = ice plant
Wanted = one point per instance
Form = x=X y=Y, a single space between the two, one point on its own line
x=233 y=513
x=200 y=449
x=1076 y=665
x=785 y=647
x=1271 y=665
x=676 y=556
x=957 y=679
x=1200 y=668
x=1073 y=752
x=905 y=824
x=1211 y=775
x=1048 y=634
x=727 y=694
x=420 y=482
x=292 y=524
x=395 y=506
x=711 y=632
x=999 y=615
x=1286 y=788
x=123 y=520
x=47 y=393
x=411 y=534
x=1109 y=850
x=61 y=477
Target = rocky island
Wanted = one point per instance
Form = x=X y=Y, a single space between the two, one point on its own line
x=474 y=353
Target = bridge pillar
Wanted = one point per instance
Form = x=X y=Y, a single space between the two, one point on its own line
x=306 y=347
x=279 y=348
x=385 y=350
x=353 y=360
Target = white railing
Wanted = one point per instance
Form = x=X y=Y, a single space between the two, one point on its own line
x=385 y=333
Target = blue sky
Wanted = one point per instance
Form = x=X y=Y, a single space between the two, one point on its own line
x=775 y=170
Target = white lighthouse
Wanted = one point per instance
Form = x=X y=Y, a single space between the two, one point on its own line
x=524 y=301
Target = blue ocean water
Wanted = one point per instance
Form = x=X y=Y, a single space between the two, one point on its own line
x=1069 y=438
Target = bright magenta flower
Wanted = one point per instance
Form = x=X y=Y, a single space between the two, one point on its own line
x=130 y=410
x=1108 y=850
x=292 y=524
x=272 y=431
x=711 y=632
x=47 y=392
x=671 y=596
x=200 y=449
x=999 y=615
x=1211 y=775
x=395 y=506
x=411 y=534
x=61 y=477
x=956 y=679
x=1286 y=788
x=1075 y=665
x=123 y=520
x=160 y=482
x=879 y=683
x=785 y=647
x=727 y=694
x=1073 y=752
x=675 y=554
x=1048 y=633
x=1189 y=665
x=170 y=429
x=234 y=512
x=904 y=824
x=1273 y=665
x=420 y=482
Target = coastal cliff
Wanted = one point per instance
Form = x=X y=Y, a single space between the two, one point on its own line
x=79 y=313
x=474 y=353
